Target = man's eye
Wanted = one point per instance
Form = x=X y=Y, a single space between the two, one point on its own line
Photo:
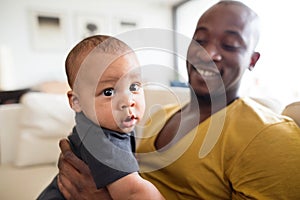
x=108 y=92
x=230 y=47
x=134 y=87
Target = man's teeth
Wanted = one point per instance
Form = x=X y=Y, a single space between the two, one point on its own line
x=206 y=73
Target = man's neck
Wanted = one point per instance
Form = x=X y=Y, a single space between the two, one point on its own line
x=208 y=105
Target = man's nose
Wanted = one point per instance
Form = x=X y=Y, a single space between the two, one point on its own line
x=210 y=53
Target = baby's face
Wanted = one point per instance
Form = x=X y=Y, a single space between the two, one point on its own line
x=117 y=100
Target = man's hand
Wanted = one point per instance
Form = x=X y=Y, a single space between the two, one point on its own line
x=74 y=179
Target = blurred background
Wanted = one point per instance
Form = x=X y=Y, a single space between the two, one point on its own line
x=36 y=36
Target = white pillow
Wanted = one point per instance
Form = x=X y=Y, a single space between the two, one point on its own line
x=46 y=114
x=45 y=119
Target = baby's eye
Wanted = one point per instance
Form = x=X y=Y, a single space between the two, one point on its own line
x=108 y=92
x=135 y=87
x=201 y=42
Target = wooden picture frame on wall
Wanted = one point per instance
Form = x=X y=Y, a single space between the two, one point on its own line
x=48 y=30
x=122 y=24
x=91 y=24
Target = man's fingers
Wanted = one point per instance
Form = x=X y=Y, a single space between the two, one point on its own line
x=74 y=173
x=68 y=170
x=62 y=187
x=70 y=157
x=64 y=146
x=69 y=191
x=75 y=180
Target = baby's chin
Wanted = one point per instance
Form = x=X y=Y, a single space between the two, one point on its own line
x=126 y=130
x=121 y=130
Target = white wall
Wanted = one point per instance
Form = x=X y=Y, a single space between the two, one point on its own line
x=24 y=65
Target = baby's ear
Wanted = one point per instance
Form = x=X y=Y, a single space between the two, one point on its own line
x=74 y=101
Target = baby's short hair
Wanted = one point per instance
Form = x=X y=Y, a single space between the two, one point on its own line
x=99 y=43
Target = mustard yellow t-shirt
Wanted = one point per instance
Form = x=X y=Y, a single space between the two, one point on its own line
x=242 y=152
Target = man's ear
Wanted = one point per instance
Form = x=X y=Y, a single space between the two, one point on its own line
x=254 y=58
x=74 y=101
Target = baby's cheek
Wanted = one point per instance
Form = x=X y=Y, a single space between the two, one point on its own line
x=141 y=104
x=104 y=115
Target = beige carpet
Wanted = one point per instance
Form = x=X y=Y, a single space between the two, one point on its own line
x=24 y=183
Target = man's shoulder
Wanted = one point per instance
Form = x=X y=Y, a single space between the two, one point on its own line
x=256 y=112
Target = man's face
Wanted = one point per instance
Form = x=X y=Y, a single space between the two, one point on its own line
x=221 y=50
x=116 y=100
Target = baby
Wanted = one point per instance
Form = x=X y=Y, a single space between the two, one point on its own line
x=107 y=96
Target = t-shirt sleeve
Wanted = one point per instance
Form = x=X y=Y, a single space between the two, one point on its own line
x=104 y=173
x=109 y=158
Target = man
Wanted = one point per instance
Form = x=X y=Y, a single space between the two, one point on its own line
x=218 y=146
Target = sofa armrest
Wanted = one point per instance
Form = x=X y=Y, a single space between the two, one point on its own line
x=9 y=118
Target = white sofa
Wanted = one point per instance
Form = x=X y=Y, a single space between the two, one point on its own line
x=29 y=135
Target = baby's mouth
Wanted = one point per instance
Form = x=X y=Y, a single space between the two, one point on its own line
x=129 y=121
x=129 y=118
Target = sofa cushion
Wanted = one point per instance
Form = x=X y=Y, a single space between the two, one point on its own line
x=46 y=114
x=45 y=119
